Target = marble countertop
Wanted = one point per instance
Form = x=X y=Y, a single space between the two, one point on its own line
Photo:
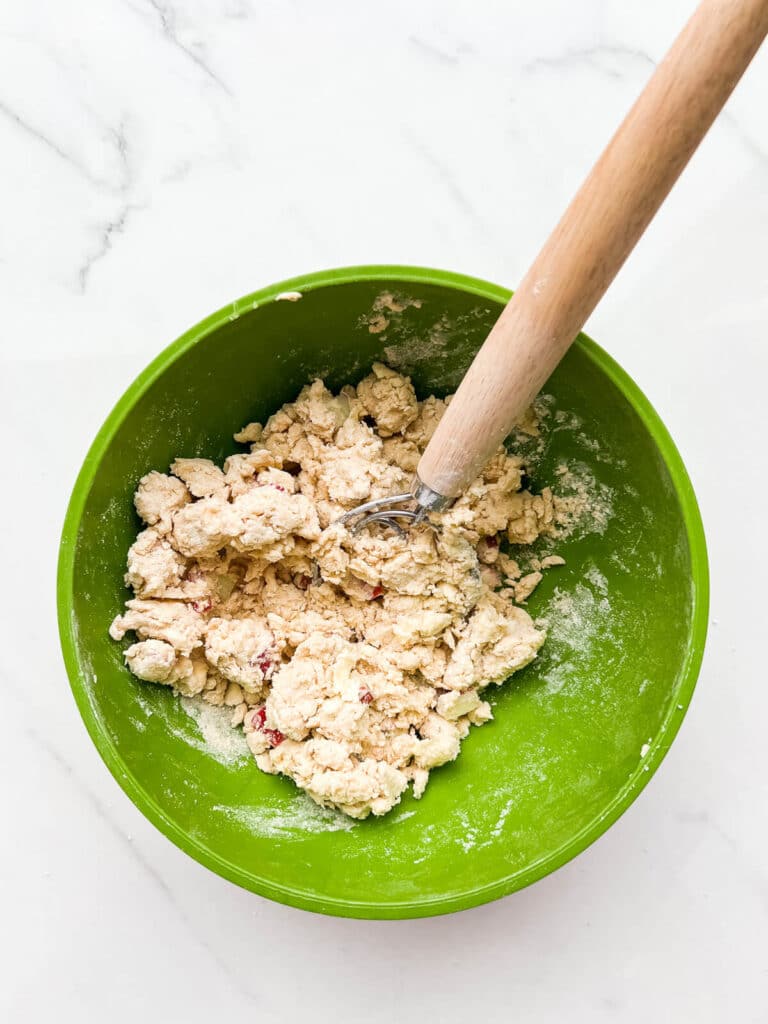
x=161 y=158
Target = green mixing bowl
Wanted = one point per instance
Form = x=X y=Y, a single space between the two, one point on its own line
x=576 y=735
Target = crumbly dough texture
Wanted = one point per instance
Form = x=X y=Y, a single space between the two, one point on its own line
x=354 y=663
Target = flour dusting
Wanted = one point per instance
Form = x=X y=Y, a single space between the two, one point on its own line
x=596 y=578
x=468 y=840
x=575 y=618
x=417 y=350
x=413 y=347
x=301 y=817
x=499 y=826
x=220 y=740
x=586 y=504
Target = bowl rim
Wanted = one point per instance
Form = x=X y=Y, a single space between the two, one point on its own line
x=301 y=898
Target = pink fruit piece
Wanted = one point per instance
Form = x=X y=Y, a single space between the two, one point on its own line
x=203 y=605
x=264 y=662
x=365 y=695
x=258 y=718
x=377 y=592
x=274 y=736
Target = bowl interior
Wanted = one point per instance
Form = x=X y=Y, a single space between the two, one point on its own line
x=563 y=756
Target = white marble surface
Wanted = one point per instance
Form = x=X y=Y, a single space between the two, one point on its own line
x=160 y=158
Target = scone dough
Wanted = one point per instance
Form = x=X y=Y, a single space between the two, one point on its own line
x=354 y=663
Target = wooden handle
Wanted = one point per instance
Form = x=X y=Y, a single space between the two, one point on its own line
x=596 y=234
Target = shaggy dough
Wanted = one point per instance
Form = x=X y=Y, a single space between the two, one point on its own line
x=355 y=664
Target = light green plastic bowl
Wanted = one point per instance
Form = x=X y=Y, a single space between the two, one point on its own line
x=566 y=753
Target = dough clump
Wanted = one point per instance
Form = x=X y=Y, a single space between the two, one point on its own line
x=354 y=663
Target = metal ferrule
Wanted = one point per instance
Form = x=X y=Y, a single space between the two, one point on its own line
x=428 y=499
